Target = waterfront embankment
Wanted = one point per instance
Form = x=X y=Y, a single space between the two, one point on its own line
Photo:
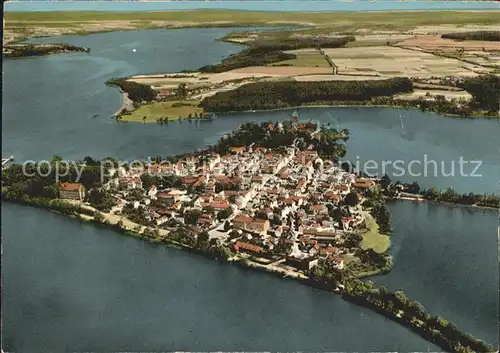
x=403 y=311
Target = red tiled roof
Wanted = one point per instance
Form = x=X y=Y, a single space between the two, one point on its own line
x=70 y=187
x=237 y=149
x=301 y=183
x=242 y=219
x=221 y=178
x=332 y=196
x=166 y=92
x=165 y=195
x=328 y=250
x=259 y=220
x=335 y=259
x=341 y=187
x=216 y=205
x=189 y=180
x=363 y=183
x=204 y=220
x=247 y=246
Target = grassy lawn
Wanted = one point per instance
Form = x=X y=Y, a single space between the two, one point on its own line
x=155 y=111
x=372 y=239
x=307 y=60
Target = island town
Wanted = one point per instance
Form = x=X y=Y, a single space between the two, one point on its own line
x=269 y=196
x=273 y=196
x=285 y=209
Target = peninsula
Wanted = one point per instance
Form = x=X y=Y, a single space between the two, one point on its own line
x=448 y=60
x=22 y=50
x=434 y=73
x=268 y=196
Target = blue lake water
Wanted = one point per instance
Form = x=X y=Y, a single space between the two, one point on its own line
x=71 y=286
x=67 y=92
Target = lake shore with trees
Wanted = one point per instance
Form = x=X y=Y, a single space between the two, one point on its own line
x=272 y=53
x=393 y=305
x=413 y=192
x=320 y=37
x=41 y=191
x=26 y=50
x=455 y=341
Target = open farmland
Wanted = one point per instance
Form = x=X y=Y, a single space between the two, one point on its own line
x=419 y=93
x=283 y=70
x=200 y=80
x=305 y=58
x=172 y=110
x=437 y=44
x=20 y=25
x=331 y=77
x=391 y=61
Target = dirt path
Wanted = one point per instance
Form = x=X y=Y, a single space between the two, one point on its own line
x=128 y=225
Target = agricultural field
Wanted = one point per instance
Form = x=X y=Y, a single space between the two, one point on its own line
x=308 y=58
x=283 y=70
x=391 y=61
x=433 y=43
x=19 y=25
x=170 y=110
x=419 y=93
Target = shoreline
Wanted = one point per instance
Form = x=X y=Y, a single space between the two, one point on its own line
x=395 y=106
x=446 y=203
x=126 y=102
x=125 y=105
x=363 y=298
x=27 y=50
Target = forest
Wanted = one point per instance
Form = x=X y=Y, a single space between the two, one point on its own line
x=485 y=90
x=266 y=51
x=283 y=94
x=21 y=50
x=493 y=36
x=247 y=57
x=137 y=92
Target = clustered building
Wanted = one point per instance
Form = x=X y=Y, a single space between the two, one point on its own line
x=257 y=201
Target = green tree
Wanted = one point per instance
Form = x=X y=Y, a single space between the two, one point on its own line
x=351 y=199
x=224 y=214
x=56 y=159
x=414 y=188
x=485 y=91
x=385 y=181
x=98 y=217
x=181 y=91
x=191 y=217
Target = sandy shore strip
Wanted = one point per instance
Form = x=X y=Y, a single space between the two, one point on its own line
x=127 y=104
